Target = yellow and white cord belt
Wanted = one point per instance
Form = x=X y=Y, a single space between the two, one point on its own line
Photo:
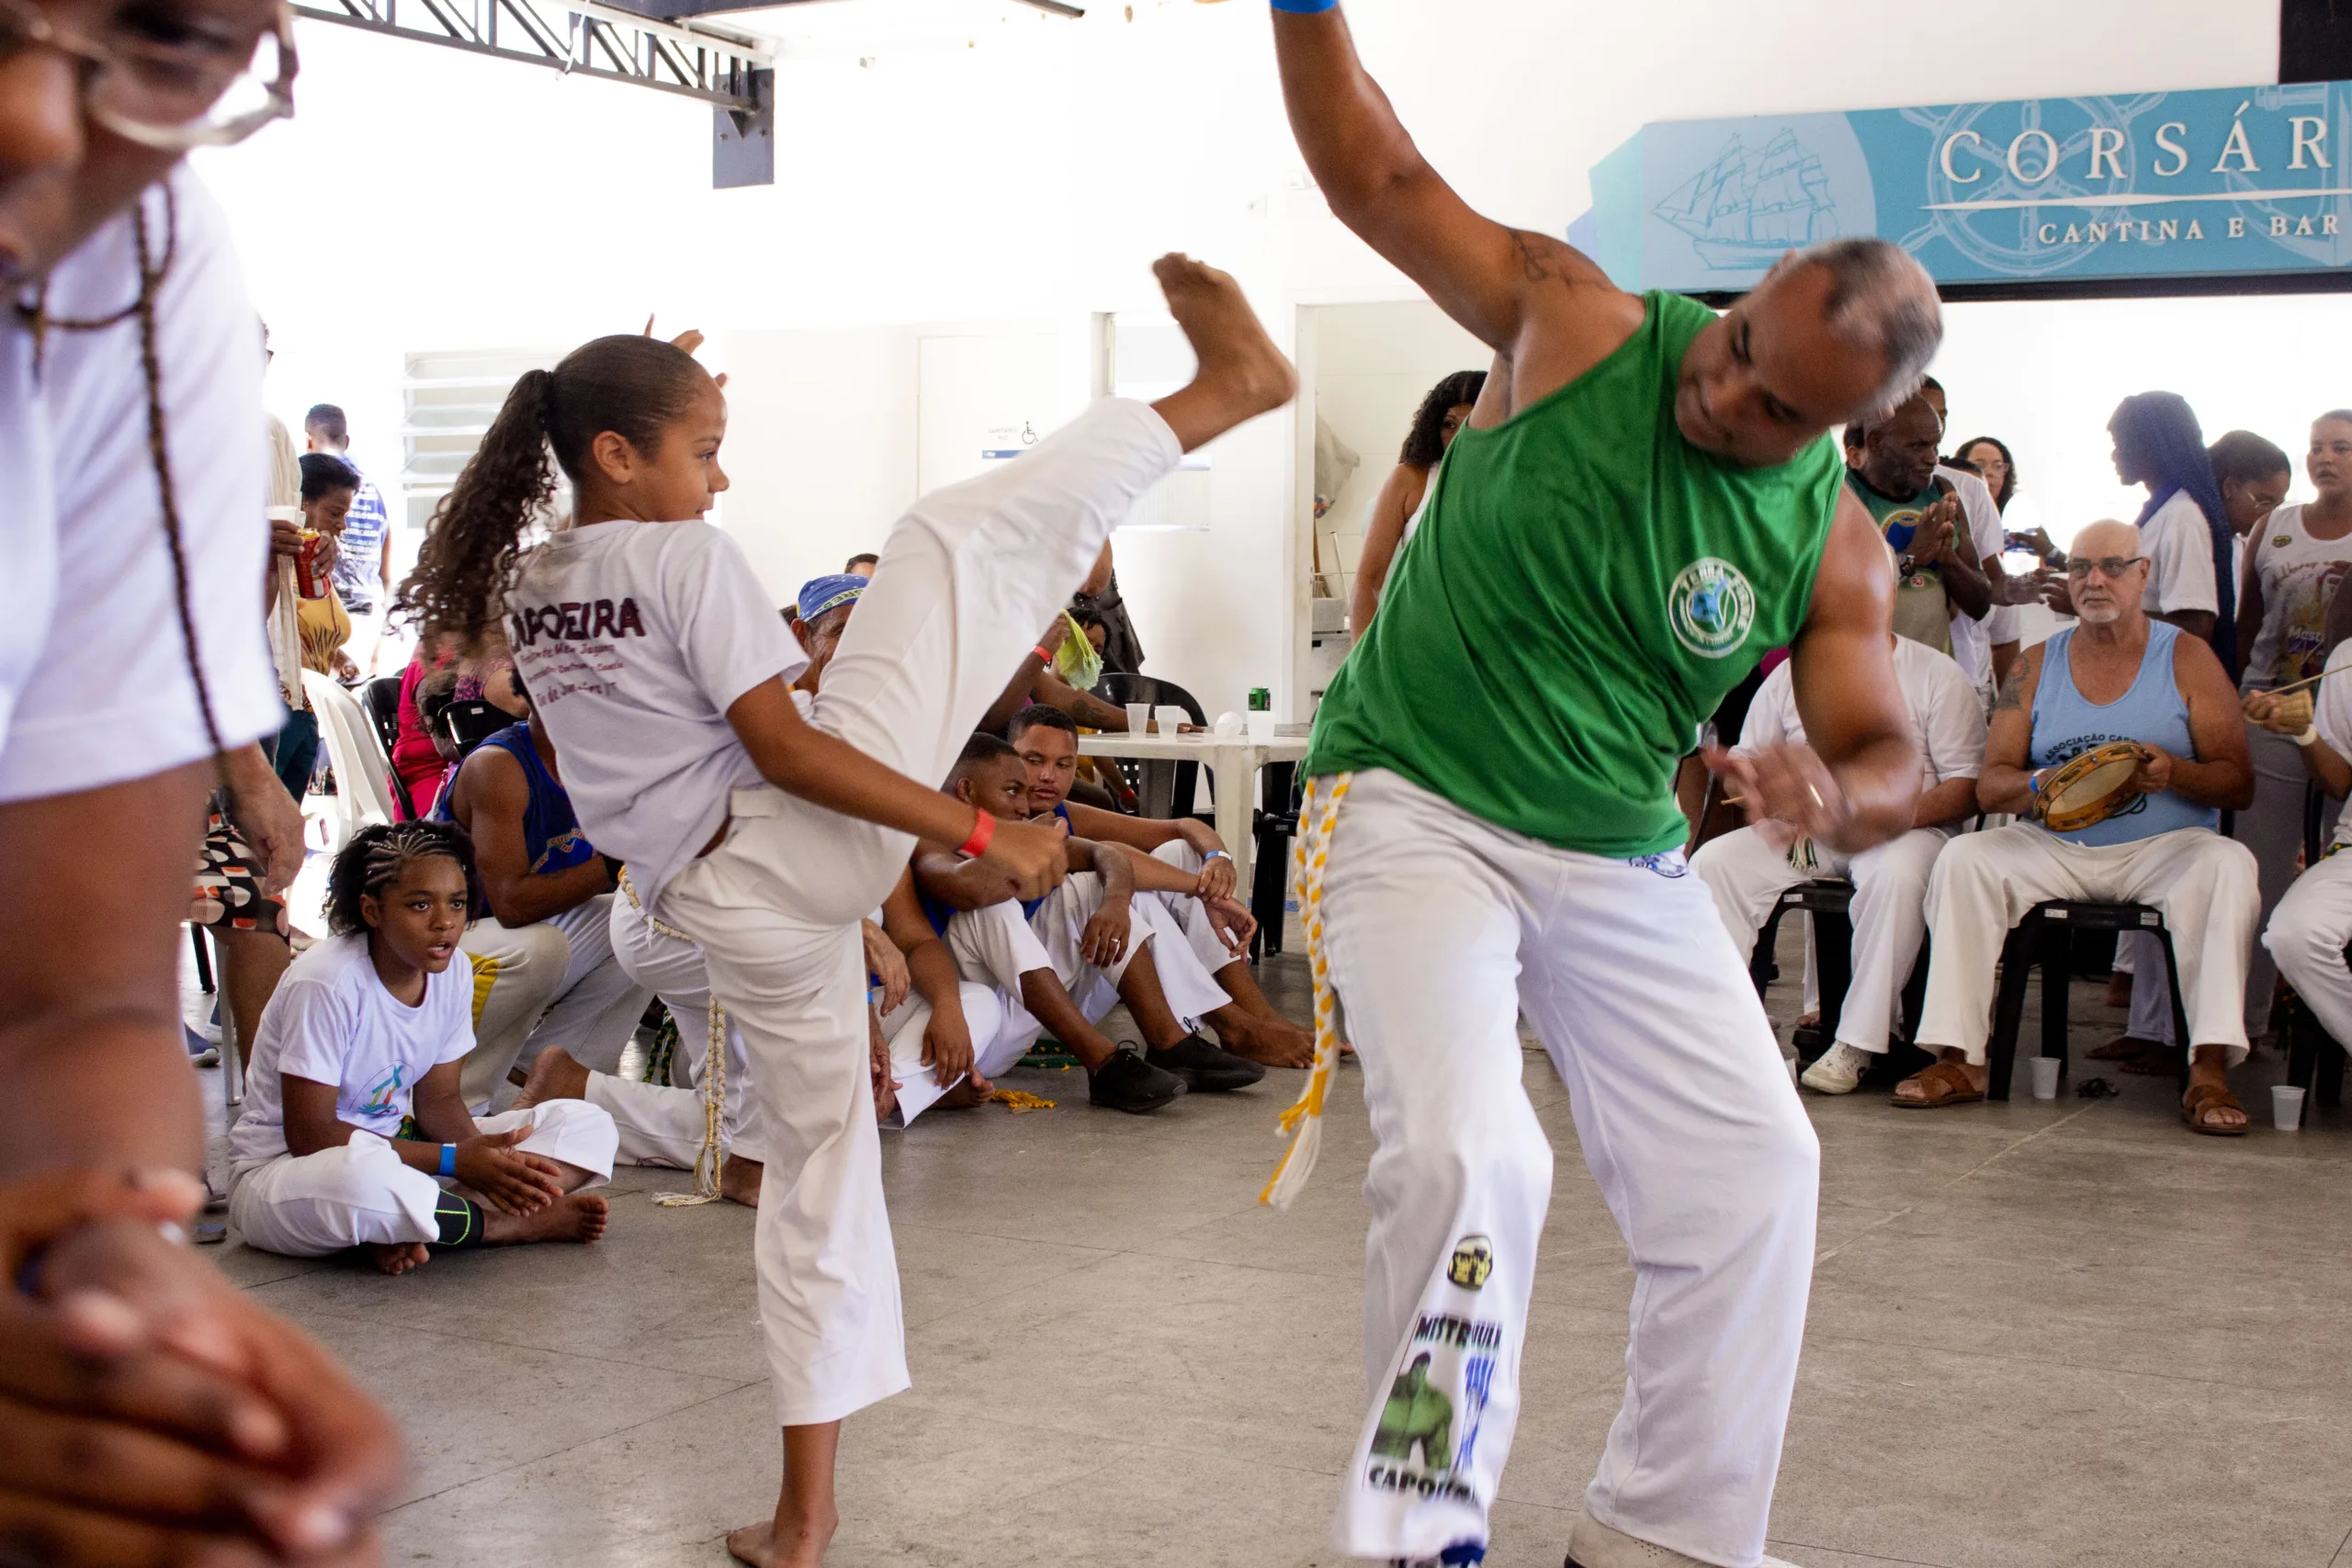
x=712 y=1156
x=1304 y=1121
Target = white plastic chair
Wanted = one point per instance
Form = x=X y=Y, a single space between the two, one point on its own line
x=362 y=778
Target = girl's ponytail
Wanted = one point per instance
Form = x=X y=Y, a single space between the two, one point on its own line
x=457 y=590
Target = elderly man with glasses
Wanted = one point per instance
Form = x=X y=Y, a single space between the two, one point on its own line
x=2117 y=676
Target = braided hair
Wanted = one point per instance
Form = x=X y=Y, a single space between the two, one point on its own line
x=152 y=274
x=635 y=387
x=378 y=854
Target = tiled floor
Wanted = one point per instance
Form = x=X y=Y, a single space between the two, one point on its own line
x=2043 y=1336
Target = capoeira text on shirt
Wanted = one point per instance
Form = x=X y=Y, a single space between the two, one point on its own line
x=576 y=620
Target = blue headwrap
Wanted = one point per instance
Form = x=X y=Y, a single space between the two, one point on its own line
x=819 y=594
x=2160 y=430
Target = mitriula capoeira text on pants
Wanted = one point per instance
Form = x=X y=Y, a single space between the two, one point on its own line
x=1428 y=1433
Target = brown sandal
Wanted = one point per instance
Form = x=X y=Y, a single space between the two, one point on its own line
x=1946 y=1083
x=2205 y=1097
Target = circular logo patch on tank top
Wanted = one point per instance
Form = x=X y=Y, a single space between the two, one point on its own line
x=1712 y=607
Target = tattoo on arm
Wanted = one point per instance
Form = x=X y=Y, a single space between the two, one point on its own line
x=2011 y=696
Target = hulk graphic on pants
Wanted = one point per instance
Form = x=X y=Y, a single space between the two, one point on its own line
x=1416 y=1413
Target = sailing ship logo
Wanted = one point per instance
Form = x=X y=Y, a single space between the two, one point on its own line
x=1750 y=205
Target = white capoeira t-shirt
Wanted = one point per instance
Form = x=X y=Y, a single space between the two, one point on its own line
x=634 y=639
x=95 y=687
x=2180 y=548
x=1946 y=721
x=332 y=1021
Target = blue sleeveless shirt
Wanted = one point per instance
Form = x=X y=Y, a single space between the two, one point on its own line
x=551 y=835
x=2153 y=712
x=939 y=914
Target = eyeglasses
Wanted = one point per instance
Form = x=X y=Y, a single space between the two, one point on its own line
x=165 y=86
x=2110 y=567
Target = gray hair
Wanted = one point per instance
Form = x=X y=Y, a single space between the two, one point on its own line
x=1881 y=301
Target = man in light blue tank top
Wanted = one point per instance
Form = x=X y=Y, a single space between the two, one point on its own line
x=2117 y=675
x=1493 y=832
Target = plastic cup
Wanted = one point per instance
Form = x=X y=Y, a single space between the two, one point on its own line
x=2286 y=1107
x=1139 y=718
x=1170 y=717
x=1262 y=727
x=2045 y=1077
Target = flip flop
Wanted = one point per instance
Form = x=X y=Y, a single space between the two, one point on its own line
x=1946 y=1084
x=2207 y=1096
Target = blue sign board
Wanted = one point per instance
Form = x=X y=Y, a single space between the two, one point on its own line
x=2218 y=183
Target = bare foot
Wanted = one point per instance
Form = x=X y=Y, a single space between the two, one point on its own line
x=757 y=1544
x=1275 y=1041
x=738 y=1182
x=399 y=1257
x=964 y=1097
x=2119 y=989
x=575 y=1216
x=1242 y=374
x=2125 y=1047
x=554 y=1076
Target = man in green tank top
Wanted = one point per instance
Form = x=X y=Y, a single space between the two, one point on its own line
x=1643 y=505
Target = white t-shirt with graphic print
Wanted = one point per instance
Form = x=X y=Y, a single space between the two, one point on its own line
x=332 y=1021
x=634 y=639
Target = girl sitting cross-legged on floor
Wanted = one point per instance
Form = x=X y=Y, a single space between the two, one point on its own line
x=355 y=1131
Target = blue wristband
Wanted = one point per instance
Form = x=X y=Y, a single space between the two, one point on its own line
x=1306 y=8
x=448 y=1159
x=1216 y=854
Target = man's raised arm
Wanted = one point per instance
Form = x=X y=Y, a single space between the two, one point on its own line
x=1379 y=184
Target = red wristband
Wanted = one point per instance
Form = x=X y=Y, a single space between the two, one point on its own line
x=1043 y=654
x=983 y=833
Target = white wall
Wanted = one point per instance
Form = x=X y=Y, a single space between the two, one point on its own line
x=425 y=198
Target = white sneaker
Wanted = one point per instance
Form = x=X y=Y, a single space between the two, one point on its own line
x=1594 y=1545
x=1839 y=1070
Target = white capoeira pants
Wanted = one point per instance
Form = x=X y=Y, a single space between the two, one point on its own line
x=660 y=1123
x=1747 y=873
x=1191 y=915
x=2306 y=938
x=965 y=580
x=998 y=1042
x=311 y=1206
x=1984 y=883
x=1440 y=928
x=551 y=982
x=997 y=945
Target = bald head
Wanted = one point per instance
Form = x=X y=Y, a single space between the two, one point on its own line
x=2107 y=574
x=1837 y=332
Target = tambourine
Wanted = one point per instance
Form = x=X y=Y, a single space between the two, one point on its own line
x=2091 y=788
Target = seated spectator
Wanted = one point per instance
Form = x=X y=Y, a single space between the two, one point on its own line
x=1066 y=958
x=1939 y=575
x=861 y=565
x=416 y=756
x=2308 y=931
x=353 y=1116
x=1749 y=869
x=1216 y=925
x=946 y=1036
x=1051 y=672
x=2115 y=676
x=545 y=953
x=233 y=873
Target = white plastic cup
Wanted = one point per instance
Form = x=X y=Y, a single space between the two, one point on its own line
x=2286 y=1107
x=1261 y=728
x=2045 y=1077
x=1139 y=718
x=1170 y=717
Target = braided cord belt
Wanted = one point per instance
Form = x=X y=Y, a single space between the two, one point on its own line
x=711 y=1158
x=1304 y=1120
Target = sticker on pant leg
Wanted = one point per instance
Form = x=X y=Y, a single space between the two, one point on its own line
x=1425 y=1446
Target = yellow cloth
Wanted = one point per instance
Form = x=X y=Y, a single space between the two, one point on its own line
x=1076 y=660
x=326 y=625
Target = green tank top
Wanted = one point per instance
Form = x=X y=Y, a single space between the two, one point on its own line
x=1584 y=589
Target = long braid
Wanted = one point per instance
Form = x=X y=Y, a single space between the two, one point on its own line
x=152 y=274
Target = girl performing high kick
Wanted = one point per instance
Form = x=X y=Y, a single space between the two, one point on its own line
x=664 y=673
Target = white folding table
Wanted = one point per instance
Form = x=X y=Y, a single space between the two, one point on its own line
x=1233 y=763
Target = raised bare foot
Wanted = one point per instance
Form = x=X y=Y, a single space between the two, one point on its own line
x=554 y=1076
x=738 y=1182
x=575 y=1216
x=399 y=1257
x=757 y=1544
x=1242 y=374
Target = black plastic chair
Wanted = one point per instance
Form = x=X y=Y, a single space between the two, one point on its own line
x=382 y=698
x=1182 y=778
x=1829 y=901
x=472 y=723
x=2314 y=1057
x=1276 y=826
x=2045 y=938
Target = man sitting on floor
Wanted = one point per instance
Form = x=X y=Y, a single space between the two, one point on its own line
x=2115 y=675
x=353 y=1117
x=546 y=950
x=1748 y=870
x=946 y=1036
x=1090 y=939
x=1216 y=925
